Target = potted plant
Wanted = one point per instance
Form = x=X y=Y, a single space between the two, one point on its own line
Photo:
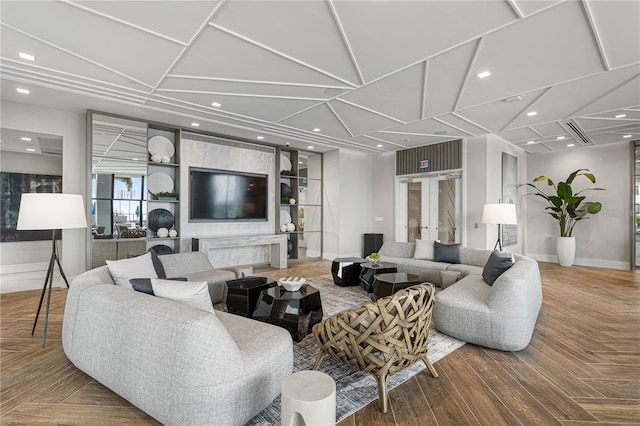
x=169 y=196
x=374 y=258
x=567 y=208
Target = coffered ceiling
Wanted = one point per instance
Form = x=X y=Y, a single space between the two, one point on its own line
x=372 y=76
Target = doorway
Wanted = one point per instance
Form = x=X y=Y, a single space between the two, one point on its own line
x=429 y=209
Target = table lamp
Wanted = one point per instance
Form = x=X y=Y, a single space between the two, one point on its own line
x=499 y=214
x=50 y=211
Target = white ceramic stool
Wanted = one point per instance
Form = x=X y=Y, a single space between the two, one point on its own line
x=308 y=398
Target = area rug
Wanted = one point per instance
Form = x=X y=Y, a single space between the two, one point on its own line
x=354 y=389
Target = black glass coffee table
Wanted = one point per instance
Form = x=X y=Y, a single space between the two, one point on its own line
x=387 y=284
x=297 y=311
x=243 y=294
x=368 y=270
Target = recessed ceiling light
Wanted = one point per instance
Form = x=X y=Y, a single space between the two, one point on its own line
x=31 y=149
x=532 y=113
x=195 y=124
x=316 y=129
x=25 y=139
x=27 y=56
x=483 y=74
x=561 y=138
x=300 y=162
x=569 y=145
x=23 y=91
x=135 y=159
x=216 y=104
x=621 y=115
x=626 y=136
x=309 y=147
x=530 y=142
x=260 y=137
x=379 y=145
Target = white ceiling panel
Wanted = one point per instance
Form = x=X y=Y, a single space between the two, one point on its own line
x=399 y=96
x=496 y=115
x=562 y=100
x=536 y=147
x=429 y=126
x=445 y=75
x=556 y=145
x=146 y=59
x=622 y=96
x=320 y=117
x=305 y=30
x=263 y=108
x=518 y=135
x=604 y=138
x=549 y=129
x=463 y=124
x=616 y=24
x=410 y=141
x=250 y=88
x=162 y=20
x=595 y=124
x=12 y=43
x=550 y=47
x=221 y=55
x=528 y=7
x=360 y=120
x=404 y=32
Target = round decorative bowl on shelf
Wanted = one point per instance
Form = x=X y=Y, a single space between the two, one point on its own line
x=291 y=283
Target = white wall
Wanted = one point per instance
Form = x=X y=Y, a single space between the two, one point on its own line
x=602 y=240
x=71 y=127
x=383 y=176
x=347 y=203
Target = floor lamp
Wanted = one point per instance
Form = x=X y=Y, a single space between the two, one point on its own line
x=50 y=211
x=499 y=214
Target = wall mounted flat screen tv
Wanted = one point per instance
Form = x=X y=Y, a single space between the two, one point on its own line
x=221 y=195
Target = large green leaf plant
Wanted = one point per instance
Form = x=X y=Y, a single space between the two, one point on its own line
x=565 y=206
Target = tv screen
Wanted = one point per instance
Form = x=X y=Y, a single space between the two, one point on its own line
x=224 y=195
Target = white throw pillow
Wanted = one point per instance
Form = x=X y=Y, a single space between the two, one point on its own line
x=136 y=267
x=194 y=294
x=424 y=250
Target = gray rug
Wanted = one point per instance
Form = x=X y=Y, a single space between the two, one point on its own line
x=354 y=389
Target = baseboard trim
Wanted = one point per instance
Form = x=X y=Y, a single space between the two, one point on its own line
x=581 y=261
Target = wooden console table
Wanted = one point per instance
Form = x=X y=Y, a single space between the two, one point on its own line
x=278 y=243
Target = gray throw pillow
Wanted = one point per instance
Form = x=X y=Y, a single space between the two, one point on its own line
x=448 y=253
x=498 y=263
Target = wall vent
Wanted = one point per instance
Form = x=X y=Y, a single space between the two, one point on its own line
x=577 y=133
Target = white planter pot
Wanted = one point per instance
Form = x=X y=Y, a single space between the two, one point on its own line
x=566 y=250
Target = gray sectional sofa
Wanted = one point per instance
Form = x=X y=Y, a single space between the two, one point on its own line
x=499 y=316
x=181 y=365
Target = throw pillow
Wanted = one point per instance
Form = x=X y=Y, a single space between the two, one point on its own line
x=448 y=253
x=424 y=250
x=157 y=264
x=143 y=285
x=194 y=294
x=498 y=263
x=125 y=269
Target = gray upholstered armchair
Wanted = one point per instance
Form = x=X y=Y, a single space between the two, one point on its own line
x=382 y=337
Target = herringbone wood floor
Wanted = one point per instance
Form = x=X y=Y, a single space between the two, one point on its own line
x=581 y=368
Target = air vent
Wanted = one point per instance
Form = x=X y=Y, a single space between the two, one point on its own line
x=577 y=133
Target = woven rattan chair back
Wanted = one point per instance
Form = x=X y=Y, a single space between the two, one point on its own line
x=381 y=337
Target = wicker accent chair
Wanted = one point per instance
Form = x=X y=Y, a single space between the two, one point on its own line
x=382 y=337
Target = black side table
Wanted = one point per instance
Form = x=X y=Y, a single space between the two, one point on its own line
x=297 y=311
x=369 y=270
x=243 y=294
x=387 y=284
x=346 y=271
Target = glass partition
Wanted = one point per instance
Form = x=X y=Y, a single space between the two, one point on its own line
x=309 y=205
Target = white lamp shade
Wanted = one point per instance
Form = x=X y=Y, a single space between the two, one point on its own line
x=51 y=211
x=501 y=214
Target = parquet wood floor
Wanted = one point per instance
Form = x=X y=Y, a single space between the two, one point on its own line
x=581 y=368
